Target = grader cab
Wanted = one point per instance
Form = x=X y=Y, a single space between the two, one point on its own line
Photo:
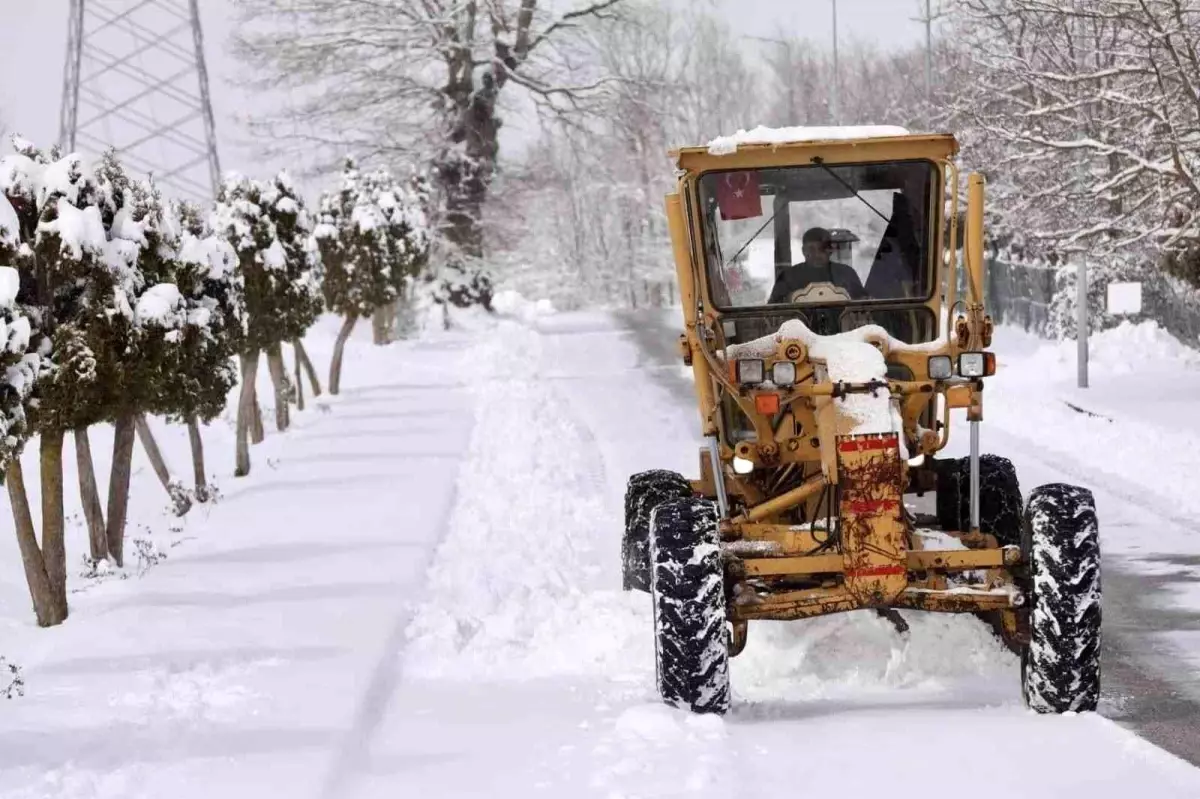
x=831 y=351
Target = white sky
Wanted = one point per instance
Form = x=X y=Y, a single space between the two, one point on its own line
x=33 y=44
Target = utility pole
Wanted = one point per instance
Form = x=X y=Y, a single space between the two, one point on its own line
x=135 y=80
x=1081 y=320
x=928 y=51
x=837 y=75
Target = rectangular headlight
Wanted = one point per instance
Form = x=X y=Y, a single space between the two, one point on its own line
x=972 y=364
x=750 y=370
x=783 y=373
x=940 y=367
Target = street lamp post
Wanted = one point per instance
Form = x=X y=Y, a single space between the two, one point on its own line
x=928 y=51
x=837 y=80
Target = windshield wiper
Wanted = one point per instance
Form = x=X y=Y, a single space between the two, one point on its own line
x=751 y=239
x=819 y=161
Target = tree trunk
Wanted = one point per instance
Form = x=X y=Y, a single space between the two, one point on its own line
x=308 y=367
x=339 y=349
x=54 y=547
x=180 y=501
x=89 y=494
x=393 y=311
x=377 y=332
x=279 y=380
x=257 y=434
x=45 y=603
x=299 y=380
x=247 y=406
x=465 y=177
x=118 y=486
x=201 y=491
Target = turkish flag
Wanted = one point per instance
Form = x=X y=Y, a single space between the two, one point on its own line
x=737 y=195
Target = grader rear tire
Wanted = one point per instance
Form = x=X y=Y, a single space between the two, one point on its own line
x=999 y=497
x=688 y=586
x=644 y=492
x=1060 y=668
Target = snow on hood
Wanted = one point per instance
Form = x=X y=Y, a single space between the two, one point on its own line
x=796 y=329
x=726 y=145
x=848 y=357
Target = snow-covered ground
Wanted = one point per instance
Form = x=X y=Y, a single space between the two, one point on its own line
x=417 y=593
x=1132 y=436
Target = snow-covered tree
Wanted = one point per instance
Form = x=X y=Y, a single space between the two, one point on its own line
x=269 y=229
x=212 y=292
x=1087 y=113
x=20 y=361
x=581 y=221
x=422 y=81
x=373 y=241
x=66 y=282
x=101 y=272
x=23 y=360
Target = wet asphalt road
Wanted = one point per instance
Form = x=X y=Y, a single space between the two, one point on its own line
x=1147 y=686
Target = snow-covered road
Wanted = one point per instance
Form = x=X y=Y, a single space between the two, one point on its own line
x=420 y=596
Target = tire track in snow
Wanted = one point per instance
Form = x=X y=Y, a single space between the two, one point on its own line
x=354 y=751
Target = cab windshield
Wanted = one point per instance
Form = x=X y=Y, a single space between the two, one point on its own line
x=819 y=238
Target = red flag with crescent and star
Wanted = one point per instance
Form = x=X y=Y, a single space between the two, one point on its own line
x=737 y=195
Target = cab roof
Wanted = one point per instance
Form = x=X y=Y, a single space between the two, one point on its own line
x=767 y=147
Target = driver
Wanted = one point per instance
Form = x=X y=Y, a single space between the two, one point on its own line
x=817 y=267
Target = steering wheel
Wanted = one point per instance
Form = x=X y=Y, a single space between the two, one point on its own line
x=819 y=294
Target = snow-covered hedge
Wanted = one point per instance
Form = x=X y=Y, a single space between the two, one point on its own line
x=20 y=360
x=373 y=238
x=271 y=232
x=212 y=301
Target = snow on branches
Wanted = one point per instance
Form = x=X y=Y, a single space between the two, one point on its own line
x=374 y=242
x=1087 y=114
x=21 y=358
x=270 y=231
x=114 y=322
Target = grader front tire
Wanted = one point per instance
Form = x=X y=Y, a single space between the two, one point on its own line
x=688 y=588
x=1060 y=668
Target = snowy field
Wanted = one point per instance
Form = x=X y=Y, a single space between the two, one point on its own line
x=417 y=593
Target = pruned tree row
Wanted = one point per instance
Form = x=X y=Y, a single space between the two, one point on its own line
x=270 y=231
x=112 y=322
x=118 y=305
x=374 y=242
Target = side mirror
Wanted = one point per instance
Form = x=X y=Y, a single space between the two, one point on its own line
x=973 y=241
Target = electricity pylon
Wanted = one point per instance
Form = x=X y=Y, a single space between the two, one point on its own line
x=135 y=80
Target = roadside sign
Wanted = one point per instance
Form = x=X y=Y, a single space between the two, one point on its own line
x=1124 y=298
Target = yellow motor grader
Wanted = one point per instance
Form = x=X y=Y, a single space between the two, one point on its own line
x=819 y=277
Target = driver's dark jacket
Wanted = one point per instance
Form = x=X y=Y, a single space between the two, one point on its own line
x=800 y=275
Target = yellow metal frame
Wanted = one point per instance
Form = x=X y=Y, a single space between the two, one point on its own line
x=878 y=561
